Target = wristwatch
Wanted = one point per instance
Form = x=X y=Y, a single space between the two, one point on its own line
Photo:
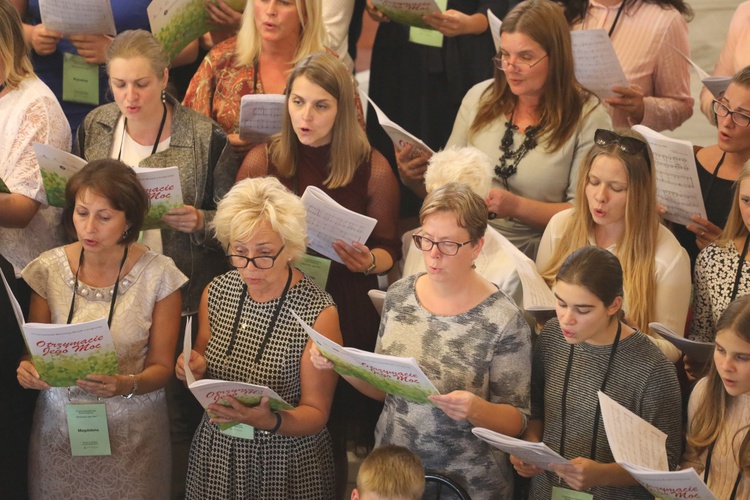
x=373 y=265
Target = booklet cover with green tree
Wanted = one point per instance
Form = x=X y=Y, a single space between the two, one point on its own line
x=394 y=375
x=407 y=12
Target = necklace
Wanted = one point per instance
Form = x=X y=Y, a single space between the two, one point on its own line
x=510 y=159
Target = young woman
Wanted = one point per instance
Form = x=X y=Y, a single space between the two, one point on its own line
x=106 y=274
x=616 y=210
x=534 y=118
x=322 y=145
x=586 y=349
x=471 y=341
x=719 y=165
x=722 y=270
x=718 y=443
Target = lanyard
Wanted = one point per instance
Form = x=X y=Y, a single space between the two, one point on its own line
x=614 y=24
x=737 y=277
x=708 y=466
x=158 y=134
x=566 y=383
x=271 y=324
x=114 y=292
x=713 y=177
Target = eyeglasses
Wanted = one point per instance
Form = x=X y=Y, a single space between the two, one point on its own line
x=449 y=248
x=723 y=110
x=502 y=63
x=262 y=262
x=628 y=145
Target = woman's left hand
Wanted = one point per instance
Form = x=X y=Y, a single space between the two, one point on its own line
x=93 y=48
x=186 y=218
x=630 y=101
x=105 y=386
x=261 y=417
x=356 y=257
x=581 y=474
x=450 y=23
x=458 y=405
x=501 y=203
x=223 y=16
x=706 y=232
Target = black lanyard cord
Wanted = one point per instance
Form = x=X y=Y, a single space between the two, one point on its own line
x=614 y=24
x=713 y=177
x=708 y=466
x=566 y=383
x=158 y=134
x=738 y=276
x=114 y=291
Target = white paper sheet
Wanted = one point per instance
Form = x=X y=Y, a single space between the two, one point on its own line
x=675 y=485
x=536 y=294
x=538 y=454
x=261 y=116
x=596 y=64
x=495 y=25
x=78 y=17
x=398 y=135
x=715 y=84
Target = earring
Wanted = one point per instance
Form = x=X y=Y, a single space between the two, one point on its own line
x=163 y=95
x=473 y=266
x=125 y=233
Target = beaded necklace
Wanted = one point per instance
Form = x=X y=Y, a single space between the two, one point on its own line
x=510 y=159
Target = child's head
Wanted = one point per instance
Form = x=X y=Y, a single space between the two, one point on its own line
x=390 y=472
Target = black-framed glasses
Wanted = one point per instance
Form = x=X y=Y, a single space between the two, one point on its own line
x=723 y=110
x=628 y=145
x=449 y=248
x=261 y=262
x=502 y=62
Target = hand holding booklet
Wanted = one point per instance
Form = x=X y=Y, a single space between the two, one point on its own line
x=397 y=376
x=536 y=454
x=398 y=135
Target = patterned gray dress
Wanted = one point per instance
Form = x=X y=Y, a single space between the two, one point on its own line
x=486 y=351
x=270 y=466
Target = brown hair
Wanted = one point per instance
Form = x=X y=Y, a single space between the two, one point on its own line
x=115 y=181
x=14 y=53
x=138 y=43
x=458 y=199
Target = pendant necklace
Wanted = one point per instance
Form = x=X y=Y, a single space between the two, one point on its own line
x=510 y=159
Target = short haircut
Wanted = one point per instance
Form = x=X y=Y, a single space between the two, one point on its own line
x=742 y=77
x=254 y=201
x=391 y=472
x=595 y=269
x=138 y=43
x=467 y=165
x=469 y=208
x=14 y=53
x=115 y=181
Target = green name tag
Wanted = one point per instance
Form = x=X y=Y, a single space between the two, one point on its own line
x=87 y=427
x=80 y=80
x=316 y=268
x=566 y=494
x=431 y=38
x=243 y=431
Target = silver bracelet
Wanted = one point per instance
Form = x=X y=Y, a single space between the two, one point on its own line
x=135 y=387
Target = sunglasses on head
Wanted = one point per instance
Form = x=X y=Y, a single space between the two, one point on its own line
x=628 y=145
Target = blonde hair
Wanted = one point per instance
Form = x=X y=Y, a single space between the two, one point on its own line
x=636 y=249
x=563 y=98
x=254 y=201
x=709 y=417
x=391 y=472
x=467 y=165
x=312 y=33
x=14 y=53
x=349 y=145
x=138 y=43
x=735 y=226
x=458 y=199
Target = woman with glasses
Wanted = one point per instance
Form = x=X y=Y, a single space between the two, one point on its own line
x=722 y=270
x=587 y=348
x=470 y=340
x=533 y=118
x=720 y=164
x=646 y=36
x=616 y=210
x=247 y=333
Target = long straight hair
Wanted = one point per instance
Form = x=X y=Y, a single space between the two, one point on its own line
x=14 y=52
x=735 y=226
x=563 y=99
x=709 y=416
x=636 y=249
x=349 y=144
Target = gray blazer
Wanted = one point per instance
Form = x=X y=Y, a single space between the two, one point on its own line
x=208 y=167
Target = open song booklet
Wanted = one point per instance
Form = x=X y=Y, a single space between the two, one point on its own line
x=407 y=12
x=596 y=64
x=63 y=354
x=161 y=184
x=701 y=351
x=394 y=375
x=398 y=135
x=715 y=84
x=209 y=391
x=261 y=116
x=78 y=17
x=537 y=454
x=640 y=449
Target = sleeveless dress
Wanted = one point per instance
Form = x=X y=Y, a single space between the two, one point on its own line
x=270 y=465
x=140 y=463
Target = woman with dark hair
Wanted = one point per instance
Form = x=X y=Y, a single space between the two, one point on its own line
x=586 y=349
x=718 y=442
x=106 y=274
x=534 y=117
x=646 y=35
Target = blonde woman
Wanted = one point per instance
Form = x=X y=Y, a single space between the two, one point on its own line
x=273 y=37
x=616 y=210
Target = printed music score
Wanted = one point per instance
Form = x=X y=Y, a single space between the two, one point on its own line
x=596 y=64
x=78 y=17
x=261 y=116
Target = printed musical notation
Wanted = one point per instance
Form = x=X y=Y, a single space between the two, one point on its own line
x=596 y=64
x=261 y=116
x=78 y=17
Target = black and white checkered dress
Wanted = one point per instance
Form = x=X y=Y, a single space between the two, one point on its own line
x=270 y=466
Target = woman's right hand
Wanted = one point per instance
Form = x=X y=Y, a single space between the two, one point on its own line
x=694 y=369
x=318 y=360
x=197 y=365
x=375 y=14
x=411 y=169
x=44 y=41
x=28 y=377
x=524 y=469
x=239 y=146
